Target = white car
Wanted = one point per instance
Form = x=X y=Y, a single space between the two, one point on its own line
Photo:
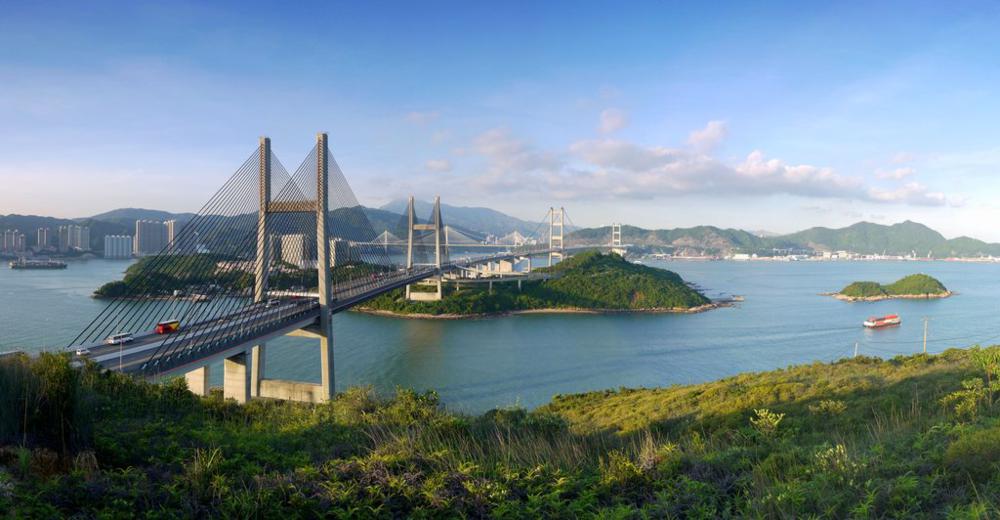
x=82 y=351
x=273 y=302
x=120 y=339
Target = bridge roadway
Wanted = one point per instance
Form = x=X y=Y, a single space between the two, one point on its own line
x=201 y=343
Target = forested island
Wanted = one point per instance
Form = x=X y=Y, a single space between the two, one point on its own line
x=586 y=282
x=160 y=276
x=914 y=436
x=914 y=286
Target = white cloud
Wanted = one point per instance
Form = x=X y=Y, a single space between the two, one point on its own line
x=438 y=165
x=709 y=137
x=896 y=174
x=912 y=193
x=612 y=120
x=420 y=118
x=609 y=168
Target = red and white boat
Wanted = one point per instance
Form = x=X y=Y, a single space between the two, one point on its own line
x=884 y=321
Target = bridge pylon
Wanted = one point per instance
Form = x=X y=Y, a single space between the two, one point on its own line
x=557 y=220
x=244 y=371
x=440 y=247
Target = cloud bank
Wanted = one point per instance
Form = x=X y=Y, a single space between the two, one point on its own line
x=607 y=167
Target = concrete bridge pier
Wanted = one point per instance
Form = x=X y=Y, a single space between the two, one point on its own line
x=197 y=380
x=236 y=377
x=256 y=369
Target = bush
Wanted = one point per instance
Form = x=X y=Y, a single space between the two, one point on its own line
x=975 y=453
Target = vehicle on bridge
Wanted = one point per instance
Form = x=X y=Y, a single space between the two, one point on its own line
x=166 y=327
x=120 y=339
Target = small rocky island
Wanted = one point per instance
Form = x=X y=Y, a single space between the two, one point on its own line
x=914 y=286
x=589 y=282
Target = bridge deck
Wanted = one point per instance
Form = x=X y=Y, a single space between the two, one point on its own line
x=197 y=344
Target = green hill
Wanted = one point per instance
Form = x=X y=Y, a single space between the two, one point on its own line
x=913 y=437
x=588 y=280
x=914 y=285
x=864 y=237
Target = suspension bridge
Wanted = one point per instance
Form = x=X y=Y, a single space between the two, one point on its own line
x=275 y=253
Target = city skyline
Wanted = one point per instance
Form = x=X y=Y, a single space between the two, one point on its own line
x=659 y=116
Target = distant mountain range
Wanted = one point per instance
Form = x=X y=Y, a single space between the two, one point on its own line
x=864 y=237
x=480 y=220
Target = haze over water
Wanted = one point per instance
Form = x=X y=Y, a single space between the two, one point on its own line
x=479 y=364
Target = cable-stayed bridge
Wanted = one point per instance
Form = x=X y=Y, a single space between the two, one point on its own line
x=276 y=253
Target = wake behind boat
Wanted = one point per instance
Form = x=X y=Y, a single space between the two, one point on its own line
x=885 y=321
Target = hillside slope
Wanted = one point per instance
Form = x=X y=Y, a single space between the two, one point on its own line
x=913 y=437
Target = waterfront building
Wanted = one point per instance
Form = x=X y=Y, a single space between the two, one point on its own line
x=79 y=237
x=171 y=230
x=12 y=241
x=42 y=238
x=62 y=239
x=295 y=250
x=340 y=252
x=72 y=237
x=150 y=237
x=117 y=246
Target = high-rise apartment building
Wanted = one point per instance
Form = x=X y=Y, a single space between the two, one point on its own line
x=12 y=241
x=150 y=237
x=73 y=237
x=295 y=251
x=62 y=239
x=117 y=246
x=42 y=238
x=171 y=226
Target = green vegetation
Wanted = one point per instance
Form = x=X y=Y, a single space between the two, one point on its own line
x=909 y=286
x=864 y=237
x=911 y=437
x=588 y=280
x=160 y=276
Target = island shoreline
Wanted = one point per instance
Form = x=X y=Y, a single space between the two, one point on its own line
x=554 y=310
x=856 y=299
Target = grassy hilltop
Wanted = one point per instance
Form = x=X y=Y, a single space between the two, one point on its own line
x=914 y=285
x=912 y=437
x=589 y=280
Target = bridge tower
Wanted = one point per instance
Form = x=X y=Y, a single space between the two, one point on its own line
x=557 y=219
x=616 y=240
x=244 y=371
x=440 y=247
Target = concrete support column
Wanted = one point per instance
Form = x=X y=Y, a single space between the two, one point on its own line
x=236 y=378
x=326 y=366
x=323 y=268
x=197 y=380
x=256 y=369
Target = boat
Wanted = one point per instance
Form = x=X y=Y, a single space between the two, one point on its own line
x=23 y=263
x=885 y=321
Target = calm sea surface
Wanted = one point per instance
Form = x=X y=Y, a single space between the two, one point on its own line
x=479 y=364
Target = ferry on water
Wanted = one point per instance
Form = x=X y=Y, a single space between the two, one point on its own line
x=24 y=263
x=884 y=321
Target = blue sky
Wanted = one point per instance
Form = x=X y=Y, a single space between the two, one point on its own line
x=773 y=116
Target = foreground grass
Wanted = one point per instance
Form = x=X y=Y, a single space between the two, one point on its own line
x=910 y=437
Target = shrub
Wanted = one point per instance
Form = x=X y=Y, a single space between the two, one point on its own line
x=975 y=453
x=766 y=422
